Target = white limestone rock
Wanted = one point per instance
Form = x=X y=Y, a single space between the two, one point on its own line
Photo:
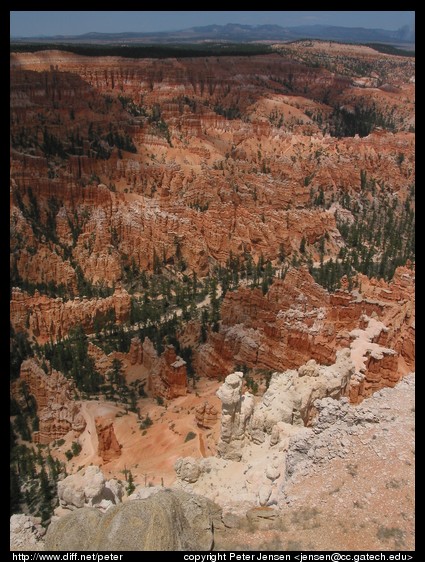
x=291 y=395
x=187 y=469
x=88 y=488
x=235 y=417
x=142 y=492
x=263 y=494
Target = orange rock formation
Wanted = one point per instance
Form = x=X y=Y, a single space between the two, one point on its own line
x=135 y=353
x=251 y=177
x=167 y=373
x=108 y=447
x=206 y=415
x=204 y=183
x=47 y=318
x=57 y=410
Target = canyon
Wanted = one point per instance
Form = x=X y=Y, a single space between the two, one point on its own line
x=212 y=274
x=297 y=321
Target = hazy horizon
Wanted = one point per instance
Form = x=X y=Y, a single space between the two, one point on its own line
x=50 y=23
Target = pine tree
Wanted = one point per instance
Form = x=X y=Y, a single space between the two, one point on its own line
x=130 y=483
x=45 y=488
x=215 y=307
x=15 y=492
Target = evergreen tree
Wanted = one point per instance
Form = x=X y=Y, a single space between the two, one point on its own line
x=130 y=484
x=15 y=492
x=215 y=306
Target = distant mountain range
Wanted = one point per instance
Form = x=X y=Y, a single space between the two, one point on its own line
x=238 y=33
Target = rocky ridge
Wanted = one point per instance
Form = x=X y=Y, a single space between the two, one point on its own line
x=341 y=437
x=341 y=433
x=262 y=428
x=297 y=320
x=47 y=318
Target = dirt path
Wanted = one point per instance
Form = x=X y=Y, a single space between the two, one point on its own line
x=201 y=444
x=168 y=315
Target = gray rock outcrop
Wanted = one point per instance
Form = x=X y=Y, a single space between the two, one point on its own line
x=26 y=532
x=143 y=492
x=291 y=395
x=168 y=520
x=187 y=469
x=75 y=531
x=328 y=438
x=288 y=401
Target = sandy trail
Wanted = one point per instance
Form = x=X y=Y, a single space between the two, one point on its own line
x=201 y=444
x=168 y=315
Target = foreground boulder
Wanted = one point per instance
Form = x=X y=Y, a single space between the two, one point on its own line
x=75 y=531
x=169 y=520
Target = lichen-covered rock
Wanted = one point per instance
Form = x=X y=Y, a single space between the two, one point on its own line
x=74 y=531
x=168 y=520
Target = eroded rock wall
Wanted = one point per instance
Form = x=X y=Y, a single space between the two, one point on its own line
x=297 y=320
x=57 y=409
x=46 y=318
x=167 y=375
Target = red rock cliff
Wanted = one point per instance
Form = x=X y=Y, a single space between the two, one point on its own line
x=47 y=318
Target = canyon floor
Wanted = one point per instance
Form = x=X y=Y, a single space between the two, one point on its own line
x=151 y=456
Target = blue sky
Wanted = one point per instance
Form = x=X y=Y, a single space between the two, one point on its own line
x=33 y=23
